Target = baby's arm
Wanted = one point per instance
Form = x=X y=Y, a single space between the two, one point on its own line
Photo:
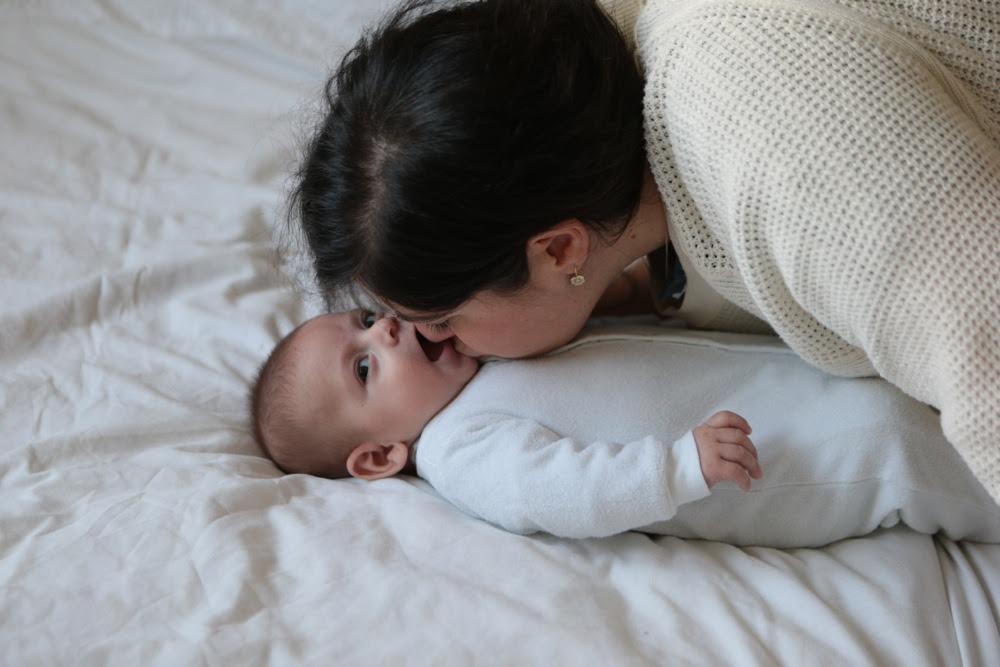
x=521 y=476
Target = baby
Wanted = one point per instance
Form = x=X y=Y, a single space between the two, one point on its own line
x=593 y=439
x=349 y=394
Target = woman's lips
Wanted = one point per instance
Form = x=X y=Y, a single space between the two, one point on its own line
x=432 y=350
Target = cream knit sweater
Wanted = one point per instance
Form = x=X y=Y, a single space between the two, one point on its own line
x=833 y=167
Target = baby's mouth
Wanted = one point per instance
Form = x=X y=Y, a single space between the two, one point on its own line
x=431 y=349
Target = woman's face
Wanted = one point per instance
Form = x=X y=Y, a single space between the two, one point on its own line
x=529 y=322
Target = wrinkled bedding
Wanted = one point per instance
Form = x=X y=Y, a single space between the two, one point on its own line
x=145 y=154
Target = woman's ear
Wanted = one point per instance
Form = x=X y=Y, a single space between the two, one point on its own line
x=563 y=248
x=375 y=461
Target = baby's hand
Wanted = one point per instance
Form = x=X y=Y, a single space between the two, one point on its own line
x=725 y=451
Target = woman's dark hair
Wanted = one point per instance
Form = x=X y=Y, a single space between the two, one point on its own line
x=457 y=131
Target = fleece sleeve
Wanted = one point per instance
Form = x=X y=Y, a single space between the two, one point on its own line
x=525 y=478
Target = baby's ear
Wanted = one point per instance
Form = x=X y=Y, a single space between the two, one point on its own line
x=372 y=460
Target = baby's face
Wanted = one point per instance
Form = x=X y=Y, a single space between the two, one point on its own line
x=374 y=378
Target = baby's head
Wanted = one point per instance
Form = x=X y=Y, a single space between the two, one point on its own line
x=349 y=393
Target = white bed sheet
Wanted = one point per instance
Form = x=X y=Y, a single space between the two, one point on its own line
x=144 y=156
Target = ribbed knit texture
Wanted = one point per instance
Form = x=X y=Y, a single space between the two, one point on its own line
x=834 y=168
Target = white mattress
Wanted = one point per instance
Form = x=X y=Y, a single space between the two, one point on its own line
x=144 y=155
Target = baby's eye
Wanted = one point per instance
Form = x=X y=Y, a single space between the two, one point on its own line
x=362 y=369
x=368 y=319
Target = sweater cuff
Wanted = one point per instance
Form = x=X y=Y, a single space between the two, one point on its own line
x=685 y=479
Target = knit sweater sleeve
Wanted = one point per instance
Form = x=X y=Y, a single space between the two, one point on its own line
x=521 y=476
x=831 y=175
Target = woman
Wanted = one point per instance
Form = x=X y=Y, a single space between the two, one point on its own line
x=828 y=170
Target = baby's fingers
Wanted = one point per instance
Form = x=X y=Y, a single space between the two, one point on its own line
x=743 y=457
x=725 y=419
x=734 y=473
x=736 y=437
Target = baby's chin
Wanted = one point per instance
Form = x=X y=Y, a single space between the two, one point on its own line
x=471 y=364
x=462 y=376
x=462 y=367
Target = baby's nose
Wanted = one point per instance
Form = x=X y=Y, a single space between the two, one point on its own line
x=389 y=327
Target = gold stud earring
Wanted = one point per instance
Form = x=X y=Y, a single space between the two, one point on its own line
x=577 y=279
